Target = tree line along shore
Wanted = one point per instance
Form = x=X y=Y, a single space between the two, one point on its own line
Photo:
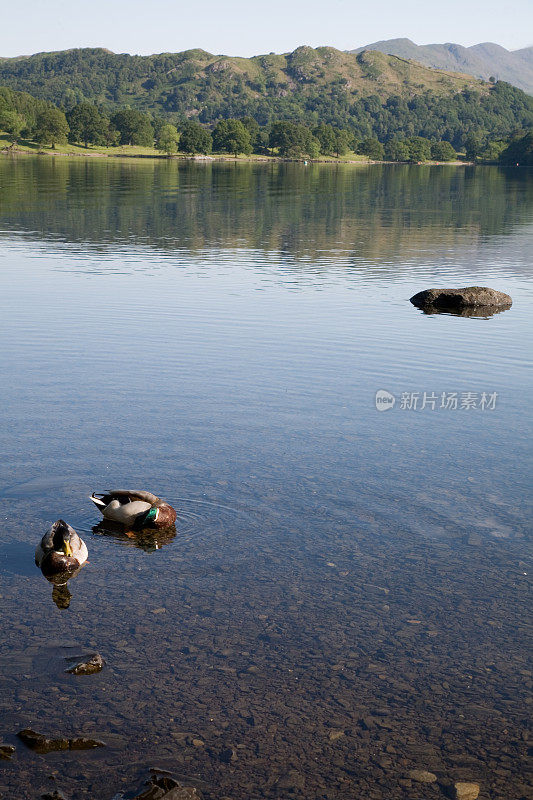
x=29 y=124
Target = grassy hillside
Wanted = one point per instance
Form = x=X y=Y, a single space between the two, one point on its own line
x=196 y=82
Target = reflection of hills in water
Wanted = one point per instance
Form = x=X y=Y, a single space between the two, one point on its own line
x=375 y=213
x=147 y=540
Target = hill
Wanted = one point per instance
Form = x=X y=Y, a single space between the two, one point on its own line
x=195 y=80
x=370 y=93
x=482 y=60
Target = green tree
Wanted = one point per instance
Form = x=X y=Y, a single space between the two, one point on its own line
x=372 y=148
x=493 y=150
x=343 y=141
x=257 y=137
x=442 y=151
x=168 y=139
x=157 y=123
x=12 y=123
x=134 y=127
x=87 y=125
x=281 y=136
x=419 y=149
x=231 y=136
x=474 y=145
x=51 y=127
x=519 y=152
x=195 y=138
x=396 y=150
x=293 y=140
x=325 y=136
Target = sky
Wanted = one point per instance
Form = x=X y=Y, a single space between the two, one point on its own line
x=235 y=27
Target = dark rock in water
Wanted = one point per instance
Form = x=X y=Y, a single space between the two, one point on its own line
x=291 y=781
x=6 y=751
x=227 y=755
x=42 y=744
x=469 y=301
x=163 y=786
x=55 y=795
x=83 y=743
x=94 y=664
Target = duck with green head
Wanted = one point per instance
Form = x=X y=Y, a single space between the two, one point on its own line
x=134 y=509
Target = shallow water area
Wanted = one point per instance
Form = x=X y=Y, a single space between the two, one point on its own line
x=345 y=595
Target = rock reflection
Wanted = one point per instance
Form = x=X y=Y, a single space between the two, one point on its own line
x=148 y=540
x=483 y=312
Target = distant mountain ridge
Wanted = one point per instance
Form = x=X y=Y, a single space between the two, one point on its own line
x=481 y=60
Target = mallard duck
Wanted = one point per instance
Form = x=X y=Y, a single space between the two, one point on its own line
x=136 y=509
x=60 y=550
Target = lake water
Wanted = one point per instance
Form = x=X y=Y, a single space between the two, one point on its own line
x=345 y=597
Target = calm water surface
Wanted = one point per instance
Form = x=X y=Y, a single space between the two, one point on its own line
x=345 y=597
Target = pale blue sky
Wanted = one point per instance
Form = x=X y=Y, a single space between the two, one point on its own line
x=235 y=27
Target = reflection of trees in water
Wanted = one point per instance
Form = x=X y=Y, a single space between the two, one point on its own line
x=374 y=211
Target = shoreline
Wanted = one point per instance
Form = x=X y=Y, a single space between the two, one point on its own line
x=262 y=159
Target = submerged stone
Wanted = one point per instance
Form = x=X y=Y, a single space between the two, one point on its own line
x=84 y=743
x=42 y=744
x=163 y=786
x=465 y=790
x=422 y=776
x=227 y=755
x=6 y=751
x=94 y=664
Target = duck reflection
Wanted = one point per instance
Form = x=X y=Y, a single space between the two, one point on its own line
x=148 y=540
x=61 y=594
